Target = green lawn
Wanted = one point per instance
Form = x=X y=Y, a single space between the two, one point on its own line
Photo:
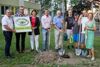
x=27 y=58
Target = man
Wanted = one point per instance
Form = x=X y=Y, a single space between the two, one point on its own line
x=20 y=47
x=8 y=29
x=69 y=25
x=46 y=25
x=58 y=21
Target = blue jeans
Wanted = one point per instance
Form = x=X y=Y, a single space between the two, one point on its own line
x=82 y=38
x=8 y=38
x=45 y=36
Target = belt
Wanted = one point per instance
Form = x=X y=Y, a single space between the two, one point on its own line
x=45 y=28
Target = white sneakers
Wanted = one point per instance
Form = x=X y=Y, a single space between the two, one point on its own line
x=92 y=58
x=77 y=52
x=88 y=56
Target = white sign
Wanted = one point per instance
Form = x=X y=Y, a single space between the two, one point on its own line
x=22 y=24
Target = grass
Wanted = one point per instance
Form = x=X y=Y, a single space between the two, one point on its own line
x=27 y=58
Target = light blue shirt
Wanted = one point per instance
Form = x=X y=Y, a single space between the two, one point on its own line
x=57 y=21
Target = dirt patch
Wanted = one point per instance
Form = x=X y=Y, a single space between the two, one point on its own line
x=51 y=57
x=46 y=57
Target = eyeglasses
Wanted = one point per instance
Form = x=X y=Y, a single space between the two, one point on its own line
x=8 y=12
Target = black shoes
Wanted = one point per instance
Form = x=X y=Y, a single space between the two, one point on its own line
x=65 y=56
x=70 y=46
x=9 y=57
x=57 y=49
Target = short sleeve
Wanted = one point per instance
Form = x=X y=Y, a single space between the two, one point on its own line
x=94 y=23
x=42 y=19
x=4 y=21
x=62 y=17
x=54 y=20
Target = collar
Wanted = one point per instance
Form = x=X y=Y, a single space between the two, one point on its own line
x=7 y=16
x=58 y=16
x=46 y=16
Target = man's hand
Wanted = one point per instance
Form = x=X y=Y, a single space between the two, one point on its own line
x=64 y=30
x=48 y=29
x=34 y=28
x=86 y=28
x=61 y=30
x=14 y=31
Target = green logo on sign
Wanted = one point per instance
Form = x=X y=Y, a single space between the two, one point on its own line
x=22 y=21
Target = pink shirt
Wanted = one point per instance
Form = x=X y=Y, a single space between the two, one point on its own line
x=46 y=21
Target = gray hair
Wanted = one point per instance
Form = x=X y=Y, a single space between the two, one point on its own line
x=8 y=10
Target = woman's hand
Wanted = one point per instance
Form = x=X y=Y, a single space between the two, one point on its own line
x=86 y=28
x=14 y=31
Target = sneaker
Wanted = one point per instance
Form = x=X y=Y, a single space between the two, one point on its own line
x=38 y=51
x=57 y=49
x=9 y=57
x=77 y=52
x=68 y=47
x=88 y=56
x=72 y=46
x=65 y=56
x=92 y=58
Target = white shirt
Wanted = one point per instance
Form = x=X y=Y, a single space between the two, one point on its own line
x=7 y=21
x=46 y=21
x=84 y=20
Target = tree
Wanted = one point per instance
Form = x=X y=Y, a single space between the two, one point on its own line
x=74 y=2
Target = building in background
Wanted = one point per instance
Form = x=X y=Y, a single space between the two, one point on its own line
x=14 y=5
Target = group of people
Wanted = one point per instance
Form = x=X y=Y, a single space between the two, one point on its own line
x=78 y=27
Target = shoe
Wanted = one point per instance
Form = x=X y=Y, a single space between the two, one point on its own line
x=88 y=56
x=66 y=56
x=57 y=49
x=43 y=50
x=77 y=52
x=22 y=51
x=18 y=51
x=9 y=57
x=38 y=51
x=92 y=58
x=72 y=46
x=68 y=47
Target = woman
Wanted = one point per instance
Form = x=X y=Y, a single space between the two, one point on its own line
x=90 y=28
x=34 y=36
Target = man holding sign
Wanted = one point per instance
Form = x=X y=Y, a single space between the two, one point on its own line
x=8 y=29
x=22 y=25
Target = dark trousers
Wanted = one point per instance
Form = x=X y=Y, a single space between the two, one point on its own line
x=20 y=47
x=8 y=39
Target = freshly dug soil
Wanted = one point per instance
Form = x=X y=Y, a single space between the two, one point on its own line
x=46 y=57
